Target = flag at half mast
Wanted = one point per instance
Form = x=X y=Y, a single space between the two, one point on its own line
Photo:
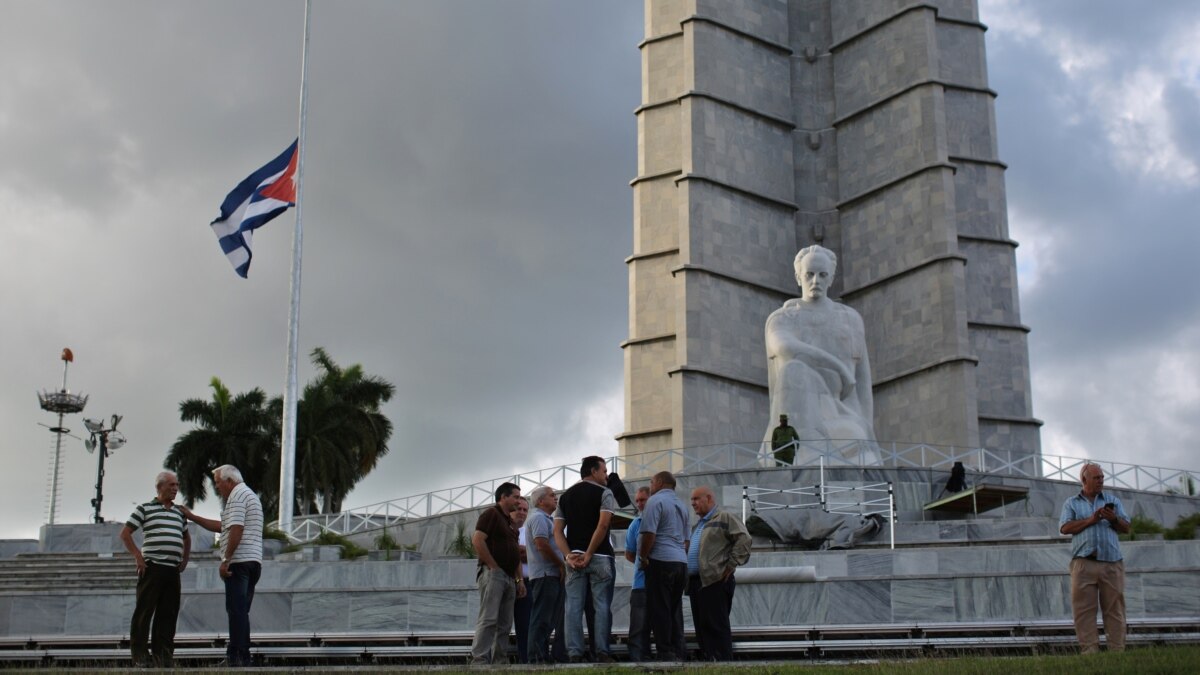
x=264 y=194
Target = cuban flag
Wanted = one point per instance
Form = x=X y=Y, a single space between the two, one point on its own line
x=265 y=194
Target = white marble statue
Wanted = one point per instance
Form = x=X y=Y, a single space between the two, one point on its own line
x=817 y=367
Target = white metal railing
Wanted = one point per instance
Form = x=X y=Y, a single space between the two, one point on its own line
x=742 y=456
x=872 y=499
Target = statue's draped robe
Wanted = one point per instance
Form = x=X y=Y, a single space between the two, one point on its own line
x=817 y=369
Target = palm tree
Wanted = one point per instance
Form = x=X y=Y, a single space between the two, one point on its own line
x=340 y=437
x=340 y=433
x=229 y=429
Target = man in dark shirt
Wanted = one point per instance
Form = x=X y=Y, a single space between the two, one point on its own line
x=499 y=579
x=782 y=440
x=581 y=534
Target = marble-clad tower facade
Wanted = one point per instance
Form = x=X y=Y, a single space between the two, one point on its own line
x=866 y=126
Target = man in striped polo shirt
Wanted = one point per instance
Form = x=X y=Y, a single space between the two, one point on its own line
x=166 y=546
x=241 y=528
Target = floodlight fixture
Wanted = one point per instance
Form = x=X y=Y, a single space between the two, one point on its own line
x=116 y=440
x=116 y=419
x=93 y=426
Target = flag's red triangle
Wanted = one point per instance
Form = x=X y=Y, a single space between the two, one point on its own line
x=284 y=187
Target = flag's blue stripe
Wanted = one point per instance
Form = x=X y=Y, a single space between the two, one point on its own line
x=255 y=222
x=248 y=187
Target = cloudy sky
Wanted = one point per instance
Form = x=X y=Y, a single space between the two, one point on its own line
x=467 y=213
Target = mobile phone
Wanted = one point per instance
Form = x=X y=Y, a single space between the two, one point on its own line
x=1110 y=505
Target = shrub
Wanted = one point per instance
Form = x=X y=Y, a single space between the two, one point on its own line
x=460 y=543
x=349 y=548
x=1185 y=528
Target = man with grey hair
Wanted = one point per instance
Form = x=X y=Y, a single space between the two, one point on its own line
x=1094 y=518
x=166 y=546
x=241 y=528
x=546 y=574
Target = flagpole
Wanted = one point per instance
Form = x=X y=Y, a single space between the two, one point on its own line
x=287 y=463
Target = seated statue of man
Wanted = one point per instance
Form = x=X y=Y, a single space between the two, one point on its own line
x=817 y=366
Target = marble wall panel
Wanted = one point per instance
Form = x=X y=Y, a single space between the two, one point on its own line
x=890 y=141
x=383 y=611
x=778 y=604
x=655 y=215
x=99 y=614
x=203 y=613
x=922 y=600
x=889 y=59
x=960 y=48
x=620 y=608
x=915 y=562
x=735 y=148
x=970 y=124
x=858 y=602
x=851 y=18
x=991 y=282
x=979 y=200
x=649 y=394
x=914 y=320
x=1135 y=595
x=732 y=412
x=725 y=333
x=659 y=132
x=741 y=70
x=442 y=610
x=663 y=16
x=5 y=614
x=870 y=564
x=1171 y=593
x=1011 y=597
x=665 y=69
x=746 y=238
x=767 y=20
x=812 y=87
x=982 y=530
x=320 y=612
x=271 y=612
x=38 y=615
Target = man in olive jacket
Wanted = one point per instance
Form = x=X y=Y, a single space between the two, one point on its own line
x=719 y=545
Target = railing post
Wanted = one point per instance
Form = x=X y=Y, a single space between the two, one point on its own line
x=745 y=503
x=892 y=513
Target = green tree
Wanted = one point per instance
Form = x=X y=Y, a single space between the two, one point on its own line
x=340 y=432
x=228 y=429
x=340 y=437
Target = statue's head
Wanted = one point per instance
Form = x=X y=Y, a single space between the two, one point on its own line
x=815 y=267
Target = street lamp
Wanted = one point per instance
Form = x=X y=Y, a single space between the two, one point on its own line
x=106 y=440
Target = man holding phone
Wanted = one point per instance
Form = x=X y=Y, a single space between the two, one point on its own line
x=1094 y=519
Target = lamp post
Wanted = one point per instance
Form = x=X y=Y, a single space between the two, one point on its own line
x=106 y=440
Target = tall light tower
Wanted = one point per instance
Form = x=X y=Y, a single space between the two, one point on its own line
x=62 y=402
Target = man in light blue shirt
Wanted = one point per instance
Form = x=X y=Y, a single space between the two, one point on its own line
x=1094 y=519
x=663 y=556
x=546 y=574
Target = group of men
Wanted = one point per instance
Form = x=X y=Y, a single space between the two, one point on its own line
x=570 y=570
x=557 y=557
x=166 y=548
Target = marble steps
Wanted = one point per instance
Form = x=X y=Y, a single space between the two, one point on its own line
x=66 y=571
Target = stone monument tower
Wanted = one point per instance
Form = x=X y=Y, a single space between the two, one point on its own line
x=865 y=126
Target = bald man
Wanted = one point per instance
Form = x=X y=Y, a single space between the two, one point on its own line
x=1094 y=518
x=719 y=545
